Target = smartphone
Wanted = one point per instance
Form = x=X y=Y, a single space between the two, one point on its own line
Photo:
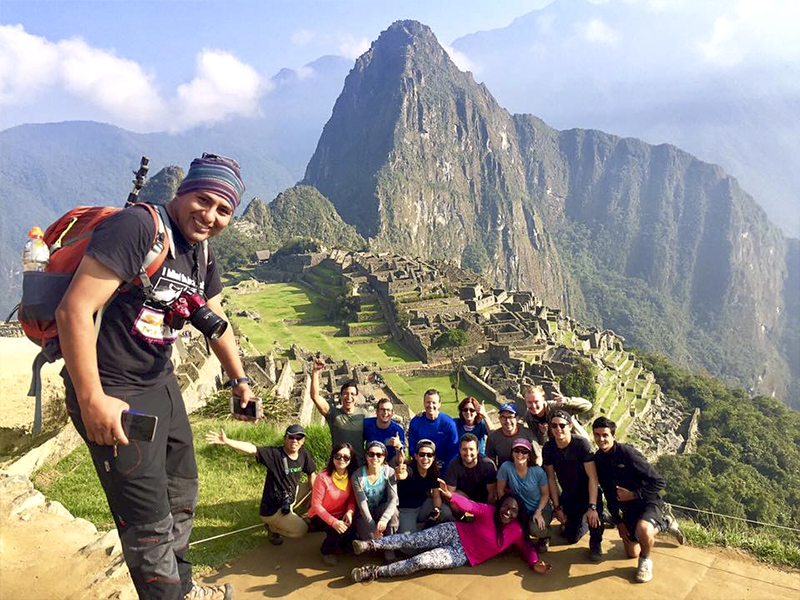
x=139 y=427
x=251 y=411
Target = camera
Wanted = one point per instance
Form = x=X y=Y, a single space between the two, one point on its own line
x=286 y=504
x=192 y=307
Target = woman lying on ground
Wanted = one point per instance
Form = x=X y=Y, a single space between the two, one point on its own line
x=524 y=477
x=375 y=488
x=473 y=418
x=451 y=545
x=418 y=489
x=333 y=503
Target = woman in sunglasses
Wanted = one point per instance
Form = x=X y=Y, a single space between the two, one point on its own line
x=418 y=488
x=375 y=488
x=452 y=545
x=524 y=477
x=333 y=503
x=473 y=418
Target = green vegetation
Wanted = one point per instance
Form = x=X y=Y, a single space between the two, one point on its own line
x=454 y=343
x=411 y=389
x=747 y=462
x=580 y=381
x=299 y=245
x=230 y=487
x=283 y=304
x=233 y=249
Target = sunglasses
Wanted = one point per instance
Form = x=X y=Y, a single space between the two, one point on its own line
x=425 y=454
x=521 y=451
x=375 y=454
x=468 y=410
x=295 y=438
x=559 y=425
x=344 y=457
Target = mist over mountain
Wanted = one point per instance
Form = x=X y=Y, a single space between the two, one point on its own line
x=663 y=248
x=680 y=73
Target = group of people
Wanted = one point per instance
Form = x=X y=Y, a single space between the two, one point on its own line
x=467 y=490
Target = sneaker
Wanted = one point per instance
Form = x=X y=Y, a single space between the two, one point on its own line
x=366 y=573
x=330 y=559
x=595 y=552
x=210 y=592
x=644 y=572
x=360 y=547
x=674 y=528
x=276 y=539
x=543 y=545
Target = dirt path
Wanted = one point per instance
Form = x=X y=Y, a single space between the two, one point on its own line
x=295 y=571
x=16 y=358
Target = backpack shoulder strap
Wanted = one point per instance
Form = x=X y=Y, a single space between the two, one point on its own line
x=162 y=246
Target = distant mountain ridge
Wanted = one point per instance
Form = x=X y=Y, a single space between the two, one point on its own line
x=637 y=70
x=422 y=159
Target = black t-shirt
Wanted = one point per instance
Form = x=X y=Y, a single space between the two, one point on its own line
x=134 y=346
x=415 y=489
x=283 y=475
x=568 y=465
x=472 y=481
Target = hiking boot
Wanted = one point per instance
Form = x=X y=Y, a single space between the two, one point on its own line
x=366 y=573
x=674 y=528
x=543 y=545
x=644 y=572
x=210 y=592
x=276 y=539
x=360 y=547
x=595 y=552
x=330 y=559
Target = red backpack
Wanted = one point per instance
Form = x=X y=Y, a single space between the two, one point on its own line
x=42 y=291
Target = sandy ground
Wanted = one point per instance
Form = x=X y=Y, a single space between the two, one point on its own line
x=295 y=570
x=16 y=359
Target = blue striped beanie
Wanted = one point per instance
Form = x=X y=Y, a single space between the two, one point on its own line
x=217 y=174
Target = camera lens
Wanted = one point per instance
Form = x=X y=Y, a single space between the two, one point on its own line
x=209 y=323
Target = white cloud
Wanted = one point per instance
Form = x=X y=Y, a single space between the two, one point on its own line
x=28 y=64
x=302 y=37
x=122 y=91
x=461 y=60
x=223 y=86
x=31 y=65
x=758 y=30
x=116 y=85
x=304 y=72
x=599 y=32
x=350 y=47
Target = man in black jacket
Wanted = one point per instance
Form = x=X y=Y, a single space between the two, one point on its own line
x=631 y=486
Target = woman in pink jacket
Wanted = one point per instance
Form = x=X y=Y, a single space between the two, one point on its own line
x=451 y=545
x=333 y=503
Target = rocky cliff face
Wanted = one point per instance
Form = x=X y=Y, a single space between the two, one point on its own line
x=423 y=160
x=663 y=248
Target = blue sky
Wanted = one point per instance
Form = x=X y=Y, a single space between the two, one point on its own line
x=137 y=63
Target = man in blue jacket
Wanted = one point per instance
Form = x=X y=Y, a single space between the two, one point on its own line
x=435 y=426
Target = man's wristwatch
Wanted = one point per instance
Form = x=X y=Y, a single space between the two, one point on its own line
x=236 y=381
x=593 y=507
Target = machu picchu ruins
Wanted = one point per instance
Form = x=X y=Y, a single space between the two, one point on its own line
x=512 y=339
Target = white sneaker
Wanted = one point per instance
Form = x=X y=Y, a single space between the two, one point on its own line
x=644 y=572
x=674 y=528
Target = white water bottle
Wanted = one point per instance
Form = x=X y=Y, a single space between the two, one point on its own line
x=35 y=254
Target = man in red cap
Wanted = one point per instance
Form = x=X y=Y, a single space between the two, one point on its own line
x=151 y=487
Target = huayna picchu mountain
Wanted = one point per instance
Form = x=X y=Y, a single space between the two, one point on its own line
x=665 y=249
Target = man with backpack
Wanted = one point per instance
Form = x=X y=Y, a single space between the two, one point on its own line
x=151 y=487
